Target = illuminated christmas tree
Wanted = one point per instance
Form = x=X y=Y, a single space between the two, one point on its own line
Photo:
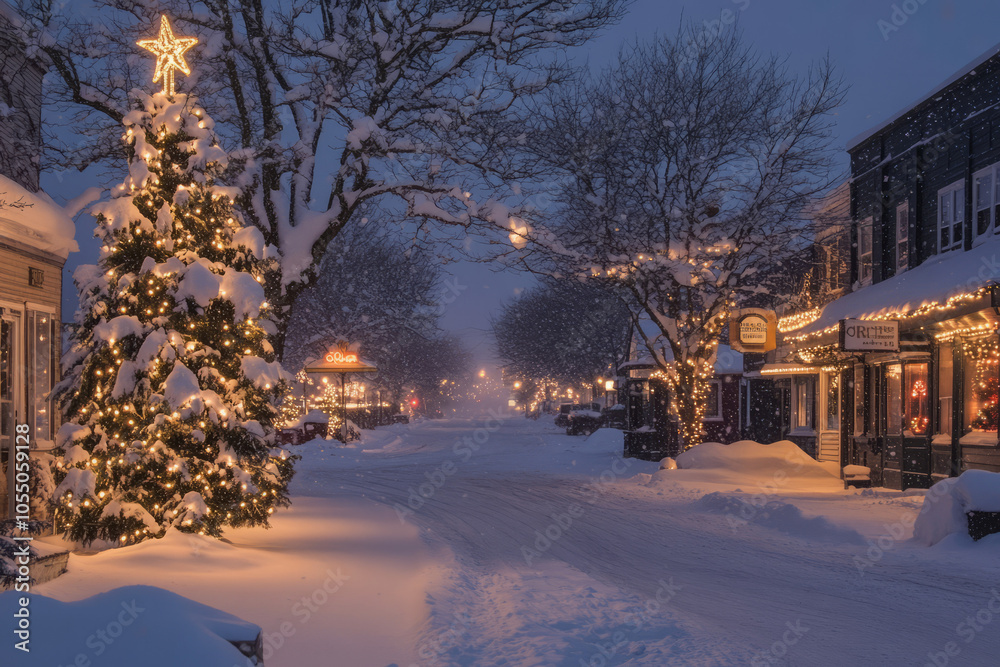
x=171 y=393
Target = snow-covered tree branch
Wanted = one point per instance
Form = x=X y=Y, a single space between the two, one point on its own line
x=685 y=171
x=327 y=105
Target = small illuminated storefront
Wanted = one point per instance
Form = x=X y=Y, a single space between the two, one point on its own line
x=923 y=411
x=651 y=424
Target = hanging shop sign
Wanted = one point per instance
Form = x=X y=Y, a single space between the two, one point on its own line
x=341 y=360
x=869 y=336
x=753 y=330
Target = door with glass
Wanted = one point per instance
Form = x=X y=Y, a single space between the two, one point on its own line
x=916 y=442
x=892 y=399
x=829 y=431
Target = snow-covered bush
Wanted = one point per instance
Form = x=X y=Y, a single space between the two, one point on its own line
x=947 y=504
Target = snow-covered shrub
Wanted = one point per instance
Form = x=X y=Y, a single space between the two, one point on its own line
x=947 y=504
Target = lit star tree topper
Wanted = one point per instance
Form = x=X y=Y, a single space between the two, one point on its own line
x=169 y=51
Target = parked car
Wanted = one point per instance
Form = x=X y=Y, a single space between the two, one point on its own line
x=562 y=418
x=584 y=422
x=614 y=417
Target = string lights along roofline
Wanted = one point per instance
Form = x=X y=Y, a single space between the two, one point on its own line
x=169 y=51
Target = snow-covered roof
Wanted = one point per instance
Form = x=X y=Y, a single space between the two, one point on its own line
x=937 y=280
x=968 y=69
x=32 y=218
x=727 y=361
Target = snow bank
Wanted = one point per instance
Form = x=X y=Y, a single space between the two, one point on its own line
x=778 y=515
x=948 y=501
x=34 y=219
x=778 y=466
x=605 y=441
x=125 y=627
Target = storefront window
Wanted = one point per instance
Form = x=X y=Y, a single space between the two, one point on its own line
x=946 y=381
x=713 y=404
x=832 y=402
x=917 y=397
x=894 y=399
x=803 y=398
x=981 y=384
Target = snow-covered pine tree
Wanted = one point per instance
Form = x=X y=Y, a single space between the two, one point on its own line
x=172 y=384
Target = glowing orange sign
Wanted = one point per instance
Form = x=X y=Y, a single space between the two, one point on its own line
x=340 y=357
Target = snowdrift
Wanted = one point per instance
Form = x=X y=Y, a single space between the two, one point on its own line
x=604 y=441
x=775 y=467
x=946 y=505
x=778 y=515
x=132 y=625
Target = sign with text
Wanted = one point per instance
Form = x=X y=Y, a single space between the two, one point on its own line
x=869 y=336
x=342 y=360
x=753 y=330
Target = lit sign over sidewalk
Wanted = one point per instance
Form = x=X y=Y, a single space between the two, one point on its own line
x=869 y=336
x=341 y=360
x=753 y=330
x=340 y=357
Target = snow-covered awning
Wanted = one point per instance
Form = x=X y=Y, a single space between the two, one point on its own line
x=786 y=370
x=727 y=362
x=32 y=218
x=944 y=286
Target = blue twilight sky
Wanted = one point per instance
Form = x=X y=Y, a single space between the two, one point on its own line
x=887 y=65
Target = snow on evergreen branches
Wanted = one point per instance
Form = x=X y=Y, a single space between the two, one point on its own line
x=172 y=384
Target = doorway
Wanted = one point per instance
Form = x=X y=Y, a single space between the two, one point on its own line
x=829 y=429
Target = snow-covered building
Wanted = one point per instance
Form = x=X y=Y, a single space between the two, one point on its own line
x=925 y=211
x=36 y=236
x=651 y=425
x=795 y=401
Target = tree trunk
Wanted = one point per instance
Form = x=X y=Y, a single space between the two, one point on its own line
x=690 y=387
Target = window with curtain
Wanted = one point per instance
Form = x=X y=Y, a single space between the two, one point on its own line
x=951 y=216
x=981 y=357
x=803 y=401
x=945 y=387
x=40 y=364
x=713 y=403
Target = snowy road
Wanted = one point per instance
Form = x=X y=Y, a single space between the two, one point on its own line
x=648 y=575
